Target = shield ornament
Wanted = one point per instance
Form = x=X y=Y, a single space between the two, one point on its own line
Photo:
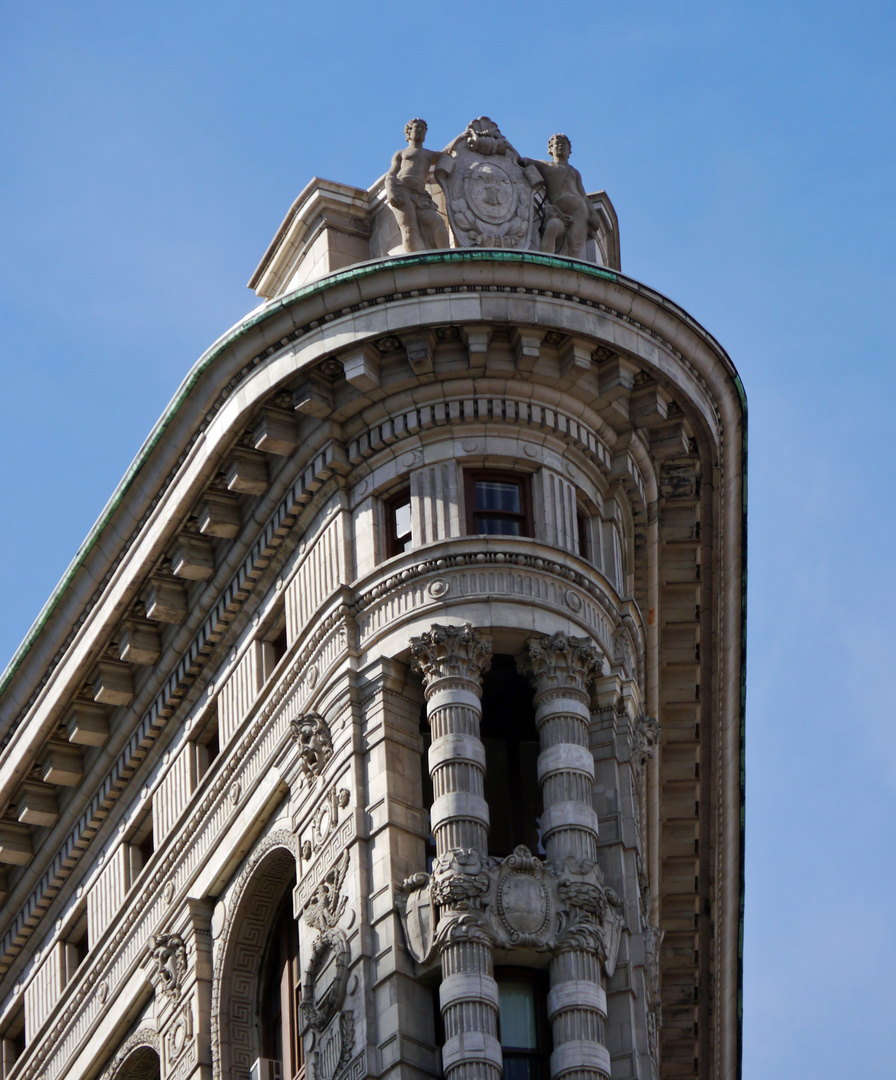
x=418 y=916
x=489 y=196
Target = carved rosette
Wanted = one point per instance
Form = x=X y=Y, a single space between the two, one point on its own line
x=451 y=652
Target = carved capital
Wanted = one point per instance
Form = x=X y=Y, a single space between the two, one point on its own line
x=560 y=662
x=446 y=652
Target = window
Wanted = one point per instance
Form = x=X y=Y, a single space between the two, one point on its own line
x=75 y=947
x=511 y=759
x=206 y=746
x=497 y=503
x=273 y=643
x=12 y=1043
x=140 y=846
x=281 y=1039
x=398 y=523
x=582 y=528
x=522 y=1023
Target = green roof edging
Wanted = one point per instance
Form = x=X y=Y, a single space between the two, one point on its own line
x=359 y=271
x=254 y=319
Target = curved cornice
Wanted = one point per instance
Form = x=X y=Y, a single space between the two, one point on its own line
x=275 y=325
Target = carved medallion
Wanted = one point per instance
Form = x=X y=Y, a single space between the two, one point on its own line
x=489 y=196
x=323 y=987
x=522 y=899
x=335 y=1048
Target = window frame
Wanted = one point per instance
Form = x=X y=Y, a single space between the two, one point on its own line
x=503 y=476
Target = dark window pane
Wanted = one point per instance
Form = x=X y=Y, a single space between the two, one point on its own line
x=497 y=526
x=521 y=1068
x=498 y=495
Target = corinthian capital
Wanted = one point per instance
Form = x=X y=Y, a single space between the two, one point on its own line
x=451 y=652
x=560 y=662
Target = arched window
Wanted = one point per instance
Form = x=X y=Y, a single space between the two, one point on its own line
x=256 y=1024
x=280 y=996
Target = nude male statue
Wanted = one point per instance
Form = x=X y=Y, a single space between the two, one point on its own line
x=569 y=218
x=418 y=216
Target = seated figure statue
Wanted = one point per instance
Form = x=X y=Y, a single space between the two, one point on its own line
x=569 y=217
x=418 y=216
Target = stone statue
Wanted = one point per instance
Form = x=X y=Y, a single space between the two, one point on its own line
x=417 y=215
x=569 y=217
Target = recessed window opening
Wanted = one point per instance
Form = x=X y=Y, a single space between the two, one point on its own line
x=273 y=642
x=12 y=1043
x=428 y=792
x=207 y=745
x=511 y=744
x=280 y=984
x=141 y=845
x=582 y=535
x=76 y=947
x=522 y=1023
x=498 y=504
x=398 y=523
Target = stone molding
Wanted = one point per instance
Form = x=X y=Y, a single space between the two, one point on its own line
x=142 y=1040
x=291 y=336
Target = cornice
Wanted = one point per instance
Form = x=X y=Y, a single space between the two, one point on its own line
x=261 y=318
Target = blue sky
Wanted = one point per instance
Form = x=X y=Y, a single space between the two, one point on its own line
x=149 y=152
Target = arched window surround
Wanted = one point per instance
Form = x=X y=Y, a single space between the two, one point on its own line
x=251 y=910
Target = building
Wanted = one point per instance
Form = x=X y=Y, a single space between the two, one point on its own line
x=389 y=722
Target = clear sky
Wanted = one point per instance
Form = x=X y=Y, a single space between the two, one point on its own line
x=150 y=151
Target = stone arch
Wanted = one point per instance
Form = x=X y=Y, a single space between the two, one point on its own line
x=270 y=869
x=138 y=1058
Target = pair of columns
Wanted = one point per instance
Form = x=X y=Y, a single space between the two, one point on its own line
x=452 y=660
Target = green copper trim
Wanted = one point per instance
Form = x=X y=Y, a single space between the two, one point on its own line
x=252 y=320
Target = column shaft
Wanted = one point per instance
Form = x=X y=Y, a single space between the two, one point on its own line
x=451 y=660
x=561 y=668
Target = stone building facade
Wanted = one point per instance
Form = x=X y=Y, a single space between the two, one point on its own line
x=389 y=721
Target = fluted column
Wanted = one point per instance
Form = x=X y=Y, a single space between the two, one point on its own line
x=561 y=668
x=451 y=660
